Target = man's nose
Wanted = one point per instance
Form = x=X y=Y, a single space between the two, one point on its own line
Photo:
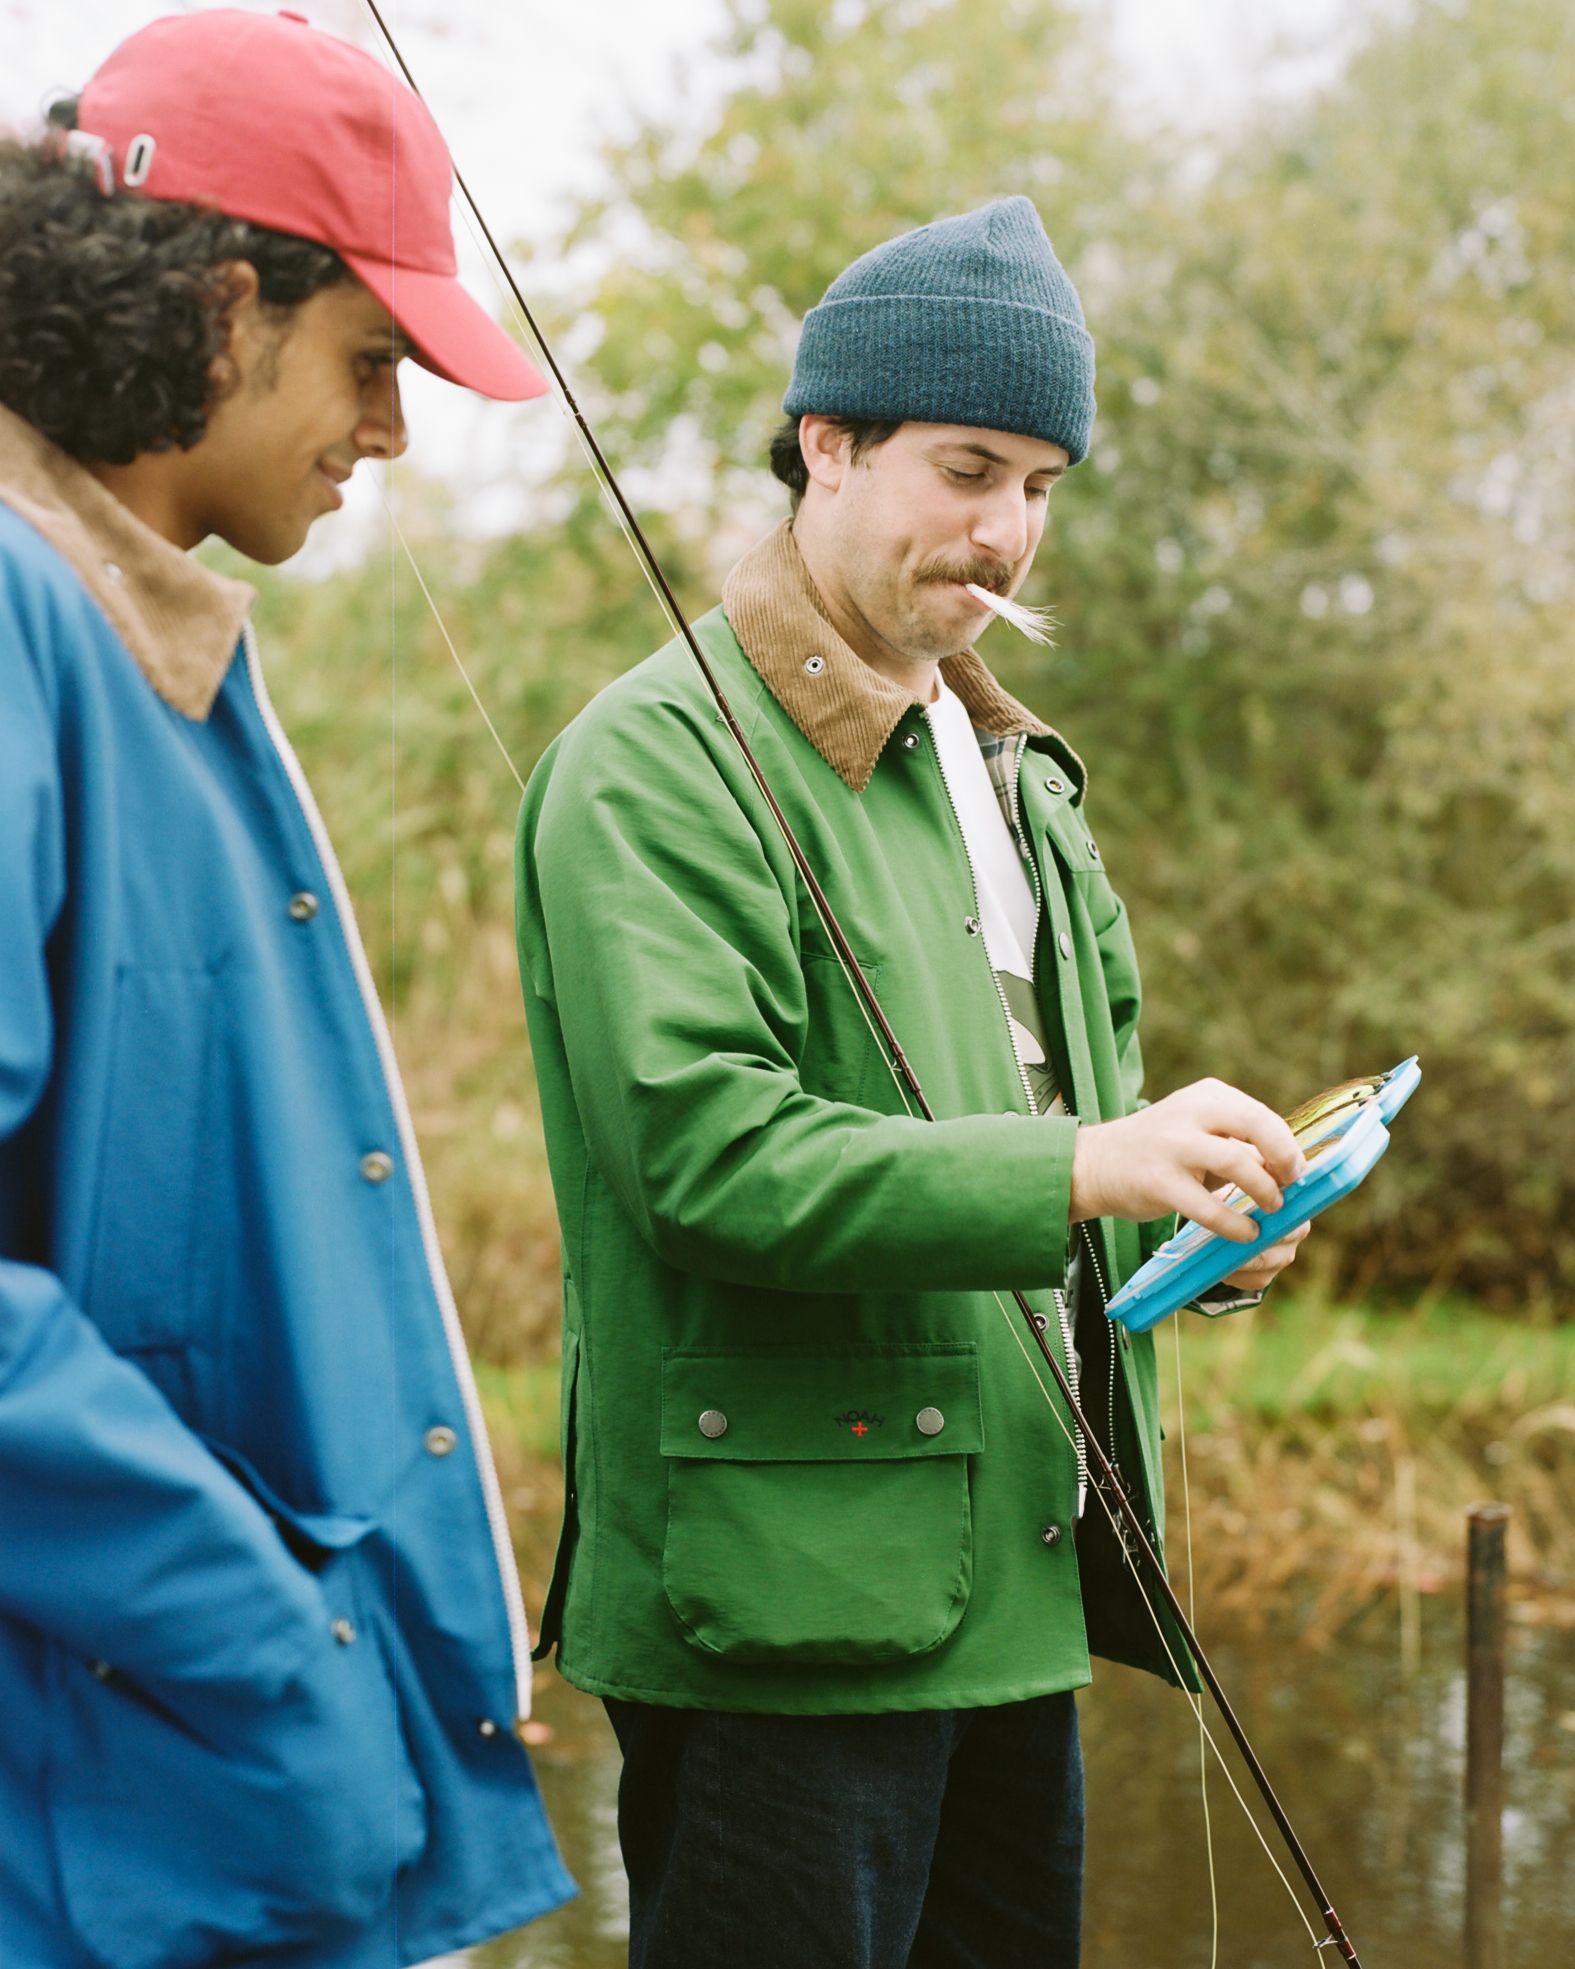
x=1001 y=525
x=381 y=431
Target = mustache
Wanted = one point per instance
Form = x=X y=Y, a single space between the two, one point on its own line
x=981 y=571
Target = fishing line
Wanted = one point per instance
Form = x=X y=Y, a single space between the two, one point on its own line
x=1193 y=1701
x=437 y=617
x=386 y=495
x=1192 y=1615
x=599 y=472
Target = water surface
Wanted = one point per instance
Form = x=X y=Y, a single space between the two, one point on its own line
x=1367 y=1762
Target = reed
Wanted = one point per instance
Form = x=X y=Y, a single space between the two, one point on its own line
x=1332 y=1454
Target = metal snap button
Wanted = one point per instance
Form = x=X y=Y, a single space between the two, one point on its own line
x=1040 y=1322
x=1055 y=786
x=343 y=1631
x=377 y=1167
x=486 y=1727
x=1050 y=1534
x=713 y=1423
x=1064 y=944
x=1093 y=849
x=303 y=907
x=814 y=665
x=440 y=1440
x=971 y=925
x=929 y=1422
x=910 y=741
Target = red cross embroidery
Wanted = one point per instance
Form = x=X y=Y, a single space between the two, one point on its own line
x=861 y=1428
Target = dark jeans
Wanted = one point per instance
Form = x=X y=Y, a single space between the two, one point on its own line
x=929 y=1839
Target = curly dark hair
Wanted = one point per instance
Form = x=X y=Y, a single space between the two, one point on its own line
x=787 y=460
x=112 y=307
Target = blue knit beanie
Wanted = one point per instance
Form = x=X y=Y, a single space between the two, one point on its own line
x=967 y=321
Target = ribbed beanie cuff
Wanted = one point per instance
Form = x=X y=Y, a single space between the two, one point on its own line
x=971 y=320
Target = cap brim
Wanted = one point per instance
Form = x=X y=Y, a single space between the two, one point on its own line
x=454 y=336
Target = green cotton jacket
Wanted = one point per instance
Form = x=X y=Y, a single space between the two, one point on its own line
x=811 y=1465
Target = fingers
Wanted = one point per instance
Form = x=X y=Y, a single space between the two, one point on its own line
x=1230 y=1112
x=1265 y=1266
x=1239 y=1163
x=1204 y=1208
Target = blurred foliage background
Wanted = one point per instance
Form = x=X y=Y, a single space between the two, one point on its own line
x=1314 y=582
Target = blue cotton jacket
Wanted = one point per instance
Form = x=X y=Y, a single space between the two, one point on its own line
x=262 y=1651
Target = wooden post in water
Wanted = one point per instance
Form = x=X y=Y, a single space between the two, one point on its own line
x=1485 y=1735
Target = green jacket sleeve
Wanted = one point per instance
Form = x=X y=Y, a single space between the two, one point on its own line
x=658 y=926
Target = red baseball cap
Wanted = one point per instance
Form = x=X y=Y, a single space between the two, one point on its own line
x=265 y=118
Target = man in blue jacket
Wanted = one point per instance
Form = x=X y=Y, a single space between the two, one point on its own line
x=262 y=1651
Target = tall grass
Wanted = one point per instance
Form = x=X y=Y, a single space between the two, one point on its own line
x=1331 y=1454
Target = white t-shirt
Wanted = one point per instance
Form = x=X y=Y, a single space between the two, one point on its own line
x=1008 y=906
x=1008 y=920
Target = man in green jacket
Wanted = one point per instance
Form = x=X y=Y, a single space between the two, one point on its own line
x=825 y=1555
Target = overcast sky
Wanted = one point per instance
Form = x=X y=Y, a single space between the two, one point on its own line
x=525 y=88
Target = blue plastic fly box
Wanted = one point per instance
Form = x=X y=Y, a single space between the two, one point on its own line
x=1342 y=1133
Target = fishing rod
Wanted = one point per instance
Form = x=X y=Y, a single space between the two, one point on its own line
x=1111 y=1488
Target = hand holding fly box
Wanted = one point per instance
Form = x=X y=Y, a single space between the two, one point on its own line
x=1342 y=1132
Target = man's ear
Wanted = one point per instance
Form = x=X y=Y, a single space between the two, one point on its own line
x=241 y=318
x=824 y=444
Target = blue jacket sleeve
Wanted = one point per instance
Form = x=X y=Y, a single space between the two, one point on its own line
x=120 y=1535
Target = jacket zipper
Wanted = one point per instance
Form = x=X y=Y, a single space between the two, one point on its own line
x=459 y=1357
x=1024 y=850
x=1062 y=1309
x=1122 y=1530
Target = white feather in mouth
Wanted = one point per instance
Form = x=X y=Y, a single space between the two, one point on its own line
x=1034 y=623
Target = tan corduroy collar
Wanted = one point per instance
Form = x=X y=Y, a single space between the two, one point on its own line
x=845 y=708
x=178 y=619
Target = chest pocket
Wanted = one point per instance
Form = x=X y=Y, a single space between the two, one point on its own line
x=1075 y=848
x=151 y=1212
x=818 y=1507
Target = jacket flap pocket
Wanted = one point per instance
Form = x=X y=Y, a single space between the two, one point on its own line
x=780 y=1405
x=322 y=1531
x=1068 y=834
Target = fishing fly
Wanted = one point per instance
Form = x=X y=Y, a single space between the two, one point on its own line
x=1034 y=623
